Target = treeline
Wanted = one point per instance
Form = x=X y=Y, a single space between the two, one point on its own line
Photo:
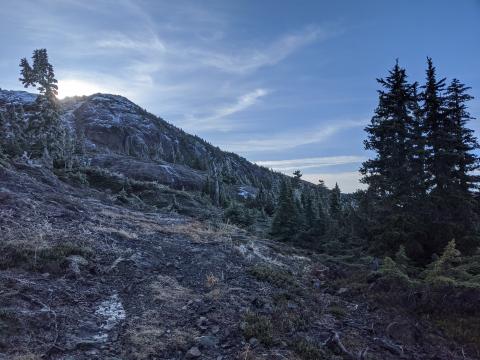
x=422 y=182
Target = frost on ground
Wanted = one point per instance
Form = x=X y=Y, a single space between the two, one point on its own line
x=112 y=311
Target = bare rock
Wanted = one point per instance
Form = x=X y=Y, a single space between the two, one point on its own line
x=193 y=353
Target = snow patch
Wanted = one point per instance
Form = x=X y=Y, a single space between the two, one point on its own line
x=112 y=312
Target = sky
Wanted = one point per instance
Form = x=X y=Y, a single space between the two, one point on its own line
x=286 y=84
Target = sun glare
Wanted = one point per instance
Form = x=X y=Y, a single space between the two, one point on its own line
x=73 y=87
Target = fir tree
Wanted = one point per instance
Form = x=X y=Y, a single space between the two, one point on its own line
x=285 y=223
x=311 y=215
x=450 y=162
x=463 y=142
x=45 y=130
x=437 y=135
x=335 y=205
x=396 y=175
x=40 y=74
x=297 y=175
x=389 y=135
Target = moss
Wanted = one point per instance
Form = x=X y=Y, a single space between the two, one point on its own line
x=338 y=311
x=283 y=298
x=274 y=275
x=291 y=321
x=259 y=327
x=308 y=351
x=46 y=259
x=461 y=329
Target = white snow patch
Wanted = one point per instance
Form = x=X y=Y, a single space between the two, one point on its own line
x=112 y=311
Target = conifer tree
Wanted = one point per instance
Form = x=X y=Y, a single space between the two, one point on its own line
x=285 y=223
x=437 y=136
x=395 y=176
x=389 y=135
x=45 y=130
x=335 y=205
x=311 y=215
x=463 y=142
x=450 y=163
x=297 y=175
x=457 y=205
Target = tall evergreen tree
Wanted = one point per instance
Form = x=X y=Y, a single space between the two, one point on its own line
x=395 y=176
x=457 y=203
x=285 y=223
x=463 y=142
x=435 y=128
x=45 y=130
x=335 y=205
x=389 y=135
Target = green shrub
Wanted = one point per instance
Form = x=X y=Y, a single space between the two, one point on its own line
x=274 y=275
x=259 y=327
x=308 y=351
x=44 y=259
x=390 y=269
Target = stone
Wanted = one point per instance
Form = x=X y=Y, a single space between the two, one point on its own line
x=207 y=342
x=202 y=323
x=193 y=353
x=342 y=291
x=75 y=262
x=253 y=342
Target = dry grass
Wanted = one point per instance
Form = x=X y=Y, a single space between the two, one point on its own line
x=167 y=289
x=149 y=341
x=197 y=231
x=146 y=341
x=211 y=280
x=121 y=233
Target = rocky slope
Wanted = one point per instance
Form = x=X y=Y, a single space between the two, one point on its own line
x=95 y=272
x=84 y=278
x=118 y=131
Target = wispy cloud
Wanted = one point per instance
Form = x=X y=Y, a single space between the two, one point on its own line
x=291 y=139
x=214 y=121
x=310 y=163
x=122 y=41
x=252 y=59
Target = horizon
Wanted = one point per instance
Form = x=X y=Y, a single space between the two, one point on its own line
x=291 y=93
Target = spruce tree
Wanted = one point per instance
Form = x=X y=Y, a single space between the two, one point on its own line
x=449 y=164
x=457 y=205
x=437 y=135
x=395 y=175
x=45 y=130
x=285 y=223
x=389 y=135
x=297 y=175
x=463 y=142
x=335 y=205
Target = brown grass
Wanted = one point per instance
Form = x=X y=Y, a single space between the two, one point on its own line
x=211 y=280
x=167 y=289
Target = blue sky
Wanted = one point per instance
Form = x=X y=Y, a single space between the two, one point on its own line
x=288 y=84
